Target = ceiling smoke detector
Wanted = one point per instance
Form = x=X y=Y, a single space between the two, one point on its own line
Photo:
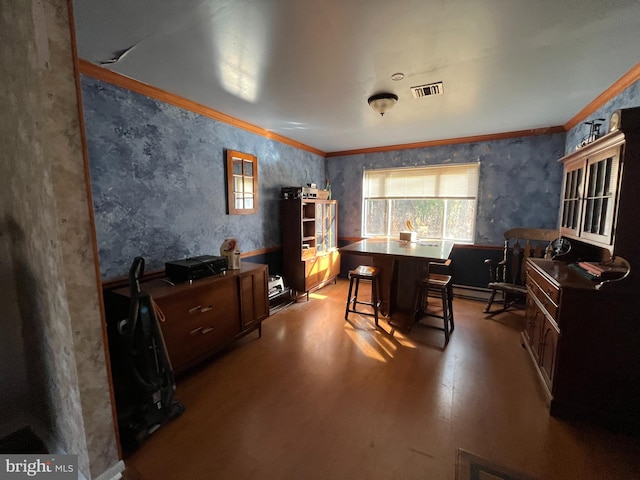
x=420 y=91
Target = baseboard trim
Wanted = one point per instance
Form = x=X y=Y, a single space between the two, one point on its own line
x=472 y=293
x=112 y=473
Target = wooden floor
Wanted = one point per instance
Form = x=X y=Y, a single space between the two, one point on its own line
x=321 y=398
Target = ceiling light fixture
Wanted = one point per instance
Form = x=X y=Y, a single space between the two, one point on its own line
x=382 y=102
x=397 y=76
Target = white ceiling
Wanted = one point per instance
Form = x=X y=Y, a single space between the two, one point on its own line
x=304 y=69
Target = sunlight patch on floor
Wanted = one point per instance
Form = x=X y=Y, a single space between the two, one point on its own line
x=318 y=296
x=403 y=340
x=377 y=343
x=368 y=344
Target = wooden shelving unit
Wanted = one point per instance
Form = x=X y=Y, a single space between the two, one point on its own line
x=310 y=243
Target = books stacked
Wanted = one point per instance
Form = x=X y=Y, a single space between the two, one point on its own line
x=602 y=271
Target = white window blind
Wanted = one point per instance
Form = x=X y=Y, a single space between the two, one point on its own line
x=437 y=202
x=450 y=181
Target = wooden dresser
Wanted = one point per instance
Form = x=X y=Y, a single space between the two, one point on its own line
x=205 y=316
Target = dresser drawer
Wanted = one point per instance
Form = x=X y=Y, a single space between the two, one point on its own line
x=543 y=298
x=199 y=322
x=193 y=337
x=549 y=289
x=217 y=298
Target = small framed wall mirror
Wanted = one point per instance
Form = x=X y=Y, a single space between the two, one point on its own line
x=242 y=183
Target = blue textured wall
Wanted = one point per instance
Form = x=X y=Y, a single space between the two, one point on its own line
x=520 y=181
x=630 y=97
x=158 y=184
x=158 y=180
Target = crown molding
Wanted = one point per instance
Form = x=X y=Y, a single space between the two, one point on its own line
x=452 y=141
x=105 y=75
x=609 y=94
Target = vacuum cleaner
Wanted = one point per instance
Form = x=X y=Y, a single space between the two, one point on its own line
x=144 y=399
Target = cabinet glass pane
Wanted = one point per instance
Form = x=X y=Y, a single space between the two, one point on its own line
x=598 y=197
x=593 y=180
x=570 y=214
x=320 y=243
x=588 y=216
x=604 y=218
x=326 y=224
x=334 y=228
x=571 y=199
x=607 y=177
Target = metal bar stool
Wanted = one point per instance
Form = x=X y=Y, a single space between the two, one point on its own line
x=441 y=286
x=363 y=273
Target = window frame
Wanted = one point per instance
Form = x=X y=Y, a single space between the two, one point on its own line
x=232 y=193
x=391 y=174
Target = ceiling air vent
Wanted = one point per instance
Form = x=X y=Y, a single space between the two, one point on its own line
x=426 y=90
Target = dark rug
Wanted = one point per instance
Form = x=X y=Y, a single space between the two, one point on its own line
x=472 y=467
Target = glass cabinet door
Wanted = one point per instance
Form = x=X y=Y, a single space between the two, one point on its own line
x=600 y=196
x=572 y=199
x=326 y=226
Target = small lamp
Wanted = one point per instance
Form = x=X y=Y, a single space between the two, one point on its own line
x=382 y=102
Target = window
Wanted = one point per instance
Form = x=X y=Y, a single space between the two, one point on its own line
x=438 y=202
x=242 y=183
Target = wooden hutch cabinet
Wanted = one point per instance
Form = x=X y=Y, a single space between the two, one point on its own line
x=583 y=334
x=310 y=243
x=601 y=197
x=590 y=194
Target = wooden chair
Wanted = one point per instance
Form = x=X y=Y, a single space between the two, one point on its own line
x=438 y=285
x=508 y=275
x=363 y=272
